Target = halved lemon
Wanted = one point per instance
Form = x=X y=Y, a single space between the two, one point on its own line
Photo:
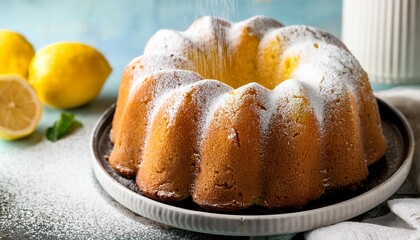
x=20 y=109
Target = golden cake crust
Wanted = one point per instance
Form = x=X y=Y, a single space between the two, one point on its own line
x=290 y=116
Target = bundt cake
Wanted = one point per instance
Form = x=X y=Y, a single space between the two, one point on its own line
x=290 y=116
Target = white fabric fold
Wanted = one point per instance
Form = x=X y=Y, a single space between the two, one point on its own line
x=407 y=100
x=403 y=222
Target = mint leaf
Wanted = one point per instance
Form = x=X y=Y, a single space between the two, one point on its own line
x=66 y=124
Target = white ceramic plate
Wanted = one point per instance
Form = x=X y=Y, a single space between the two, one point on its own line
x=381 y=186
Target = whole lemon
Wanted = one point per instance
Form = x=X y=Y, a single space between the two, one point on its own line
x=68 y=74
x=15 y=53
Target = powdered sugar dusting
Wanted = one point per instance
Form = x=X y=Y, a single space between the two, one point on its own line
x=210 y=104
x=290 y=94
x=168 y=42
x=260 y=25
x=178 y=99
x=203 y=93
x=310 y=78
x=148 y=64
x=49 y=191
x=322 y=69
x=166 y=83
x=257 y=26
x=264 y=107
x=217 y=102
x=208 y=93
x=296 y=34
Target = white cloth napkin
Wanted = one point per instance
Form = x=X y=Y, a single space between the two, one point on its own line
x=407 y=100
x=403 y=222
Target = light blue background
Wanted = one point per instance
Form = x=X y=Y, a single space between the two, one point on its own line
x=120 y=29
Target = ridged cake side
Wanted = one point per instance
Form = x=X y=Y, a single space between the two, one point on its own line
x=230 y=148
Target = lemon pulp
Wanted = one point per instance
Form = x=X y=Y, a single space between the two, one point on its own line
x=20 y=109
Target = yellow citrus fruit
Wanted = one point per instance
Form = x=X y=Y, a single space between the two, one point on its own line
x=20 y=109
x=15 y=53
x=68 y=74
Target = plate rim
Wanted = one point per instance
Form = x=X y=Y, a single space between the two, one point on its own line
x=250 y=225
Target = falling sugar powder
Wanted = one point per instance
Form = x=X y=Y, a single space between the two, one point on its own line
x=227 y=9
